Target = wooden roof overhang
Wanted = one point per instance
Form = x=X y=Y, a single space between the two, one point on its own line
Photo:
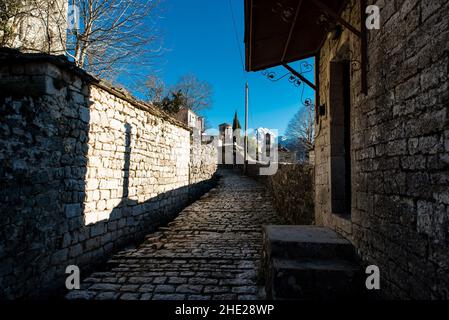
x=278 y=32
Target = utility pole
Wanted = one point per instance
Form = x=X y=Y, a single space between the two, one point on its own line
x=246 y=128
x=257 y=145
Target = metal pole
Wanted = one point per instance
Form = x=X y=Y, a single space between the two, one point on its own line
x=246 y=126
x=257 y=145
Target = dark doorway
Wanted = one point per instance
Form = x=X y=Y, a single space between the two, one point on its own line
x=340 y=137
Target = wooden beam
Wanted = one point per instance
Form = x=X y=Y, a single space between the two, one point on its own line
x=275 y=63
x=292 y=28
x=337 y=17
x=300 y=76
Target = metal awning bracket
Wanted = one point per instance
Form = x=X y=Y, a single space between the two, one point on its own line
x=360 y=34
x=300 y=76
x=323 y=7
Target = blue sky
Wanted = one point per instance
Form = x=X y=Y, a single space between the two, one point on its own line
x=199 y=38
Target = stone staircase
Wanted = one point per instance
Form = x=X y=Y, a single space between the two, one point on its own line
x=309 y=263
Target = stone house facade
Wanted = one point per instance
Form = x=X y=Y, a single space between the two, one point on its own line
x=191 y=119
x=382 y=154
x=382 y=159
x=225 y=132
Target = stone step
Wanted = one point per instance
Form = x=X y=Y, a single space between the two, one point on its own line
x=306 y=242
x=309 y=262
x=314 y=280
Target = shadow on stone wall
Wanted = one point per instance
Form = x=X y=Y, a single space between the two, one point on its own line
x=44 y=123
x=44 y=136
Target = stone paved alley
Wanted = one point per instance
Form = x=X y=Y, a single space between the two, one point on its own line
x=212 y=250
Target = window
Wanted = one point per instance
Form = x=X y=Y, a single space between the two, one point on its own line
x=340 y=137
x=268 y=144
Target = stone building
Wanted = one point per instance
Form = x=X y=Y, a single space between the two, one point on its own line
x=225 y=132
x=35 y=26
x=285 y=155
x=190 y=118
x=382 y=143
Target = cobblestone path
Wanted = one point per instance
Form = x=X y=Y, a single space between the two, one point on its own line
x=212 y=250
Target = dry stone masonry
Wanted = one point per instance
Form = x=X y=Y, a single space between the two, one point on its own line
x=84 y=170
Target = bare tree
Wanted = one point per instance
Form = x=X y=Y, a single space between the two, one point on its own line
x=198 y=93
x=151 y=88
x=115 y=36
x=155 y=88
x=301 y=128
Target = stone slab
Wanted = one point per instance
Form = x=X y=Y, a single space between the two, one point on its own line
x=294 y=242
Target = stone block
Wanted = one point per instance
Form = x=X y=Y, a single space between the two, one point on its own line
x=84 y=114
x=59 y=257
x=73 y=210
x=75 y=251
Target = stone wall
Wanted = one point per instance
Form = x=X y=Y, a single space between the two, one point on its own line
x=292 y=191
x=85 y=169
x=399 y=215
x=202 y=165
x=133 y=157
